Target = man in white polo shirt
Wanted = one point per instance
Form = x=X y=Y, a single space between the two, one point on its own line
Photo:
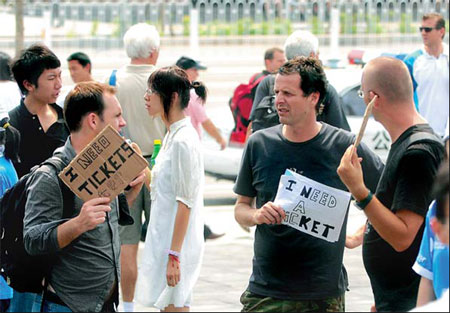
x=429 y=71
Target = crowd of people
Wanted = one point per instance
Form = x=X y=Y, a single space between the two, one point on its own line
x=92 y=246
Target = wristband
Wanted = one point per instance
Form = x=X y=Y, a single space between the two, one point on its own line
x=363 y=203
x=175 y=258
x=174 y=253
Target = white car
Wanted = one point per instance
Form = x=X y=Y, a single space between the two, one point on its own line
x=225 y=164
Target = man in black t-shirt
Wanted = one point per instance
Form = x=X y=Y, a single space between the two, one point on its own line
x=292 y=270
x=396 y=212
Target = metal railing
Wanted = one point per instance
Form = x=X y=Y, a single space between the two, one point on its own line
x=102 y=24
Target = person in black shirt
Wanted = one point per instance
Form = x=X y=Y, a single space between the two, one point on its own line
x=304 y=43
x=294 y=271
x=397 y=210
x=39 y=120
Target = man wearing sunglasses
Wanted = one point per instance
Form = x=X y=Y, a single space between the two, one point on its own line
x=429 y=71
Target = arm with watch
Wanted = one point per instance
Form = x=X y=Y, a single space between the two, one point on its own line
x=397 y=228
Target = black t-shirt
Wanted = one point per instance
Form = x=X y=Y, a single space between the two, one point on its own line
x=36 y=145
x=405 y=184
x=263 y=73
x=289 y=264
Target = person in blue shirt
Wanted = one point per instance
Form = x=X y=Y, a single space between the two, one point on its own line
x=9 y=146
x=432 y=262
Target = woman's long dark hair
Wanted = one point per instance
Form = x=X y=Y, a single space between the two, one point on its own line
x=172 y=79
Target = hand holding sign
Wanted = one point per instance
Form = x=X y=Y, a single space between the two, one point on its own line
x=311 y=207
x=351 y=174
x=93 y=213
x=270 y=214
x=148 y=173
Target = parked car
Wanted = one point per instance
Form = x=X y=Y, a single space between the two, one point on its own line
x=225 y=164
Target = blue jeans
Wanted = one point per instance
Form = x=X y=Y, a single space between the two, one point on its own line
x=23 y=301
x=50 y=307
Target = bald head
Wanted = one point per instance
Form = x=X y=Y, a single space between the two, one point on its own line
x=389 y=78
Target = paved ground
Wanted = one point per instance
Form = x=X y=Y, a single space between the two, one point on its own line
x=227 y=261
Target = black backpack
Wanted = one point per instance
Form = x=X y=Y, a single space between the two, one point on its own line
x=23 y=272
x=265 y=114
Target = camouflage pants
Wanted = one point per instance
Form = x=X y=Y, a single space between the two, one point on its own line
x=256 y=303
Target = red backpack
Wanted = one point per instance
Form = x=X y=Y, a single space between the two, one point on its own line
x=241 y=105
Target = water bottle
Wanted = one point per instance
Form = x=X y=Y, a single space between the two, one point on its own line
x=156 y=148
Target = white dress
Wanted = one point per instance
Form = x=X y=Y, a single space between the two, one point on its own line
x=9 y=97
x=178 y=175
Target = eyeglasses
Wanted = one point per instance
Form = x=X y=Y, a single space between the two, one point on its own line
x=149 y=92
x=426 y=29
x=360 y=93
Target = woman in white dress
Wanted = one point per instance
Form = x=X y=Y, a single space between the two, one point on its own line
x=9 y=90
x=174 y=244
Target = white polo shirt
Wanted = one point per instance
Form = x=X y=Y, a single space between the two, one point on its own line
x=431 y=86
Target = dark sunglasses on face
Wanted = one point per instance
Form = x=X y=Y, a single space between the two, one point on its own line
x=426 y=29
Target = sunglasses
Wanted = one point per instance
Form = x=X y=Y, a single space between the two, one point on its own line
x=426 y=29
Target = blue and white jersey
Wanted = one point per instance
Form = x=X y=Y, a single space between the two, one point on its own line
x=430 y=76
x=432 y=261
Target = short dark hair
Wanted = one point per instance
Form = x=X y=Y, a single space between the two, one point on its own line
x=268 y=55
x=5 y=67
x=441 y=191
x=85 y=98
x=168 y=80
x=31 y=64
x=313 y=78
x=81 y=57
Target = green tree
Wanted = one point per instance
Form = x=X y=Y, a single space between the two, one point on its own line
x=19 y=27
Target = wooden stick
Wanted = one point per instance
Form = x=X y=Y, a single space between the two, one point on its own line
x=364 y=122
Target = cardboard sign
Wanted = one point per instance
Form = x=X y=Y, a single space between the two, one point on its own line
x=104 y=168
x=311 y=207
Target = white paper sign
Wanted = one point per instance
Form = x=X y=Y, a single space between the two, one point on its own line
x=311 y=207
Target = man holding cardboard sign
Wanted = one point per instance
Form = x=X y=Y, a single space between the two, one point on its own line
x=87 y=246
x=296 y=270
x=396 y=212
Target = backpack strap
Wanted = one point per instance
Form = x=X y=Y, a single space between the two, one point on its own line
x=253 y=78
x=423 y=137
x=256 y=82
x=113 y=78
x=68 y=196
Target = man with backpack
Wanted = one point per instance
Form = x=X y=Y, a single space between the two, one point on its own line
x=82 y=239
x=243 y=97
x=397 y=210
x=263 y=114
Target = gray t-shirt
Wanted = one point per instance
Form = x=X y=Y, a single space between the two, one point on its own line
x=84 y=273
x=289 y=264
